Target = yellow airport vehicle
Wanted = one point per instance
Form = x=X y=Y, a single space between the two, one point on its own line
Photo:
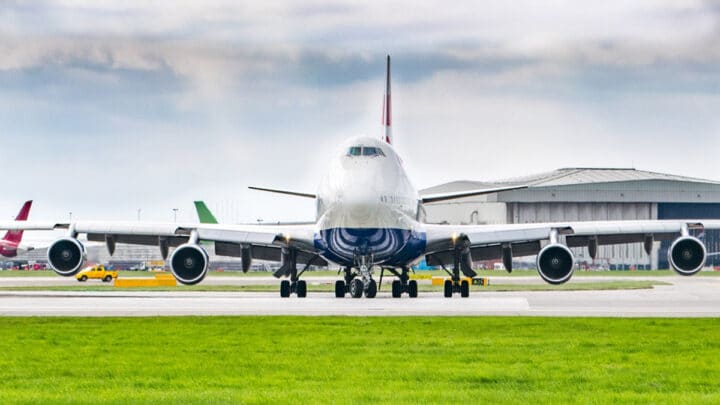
x=474 y=281
x=97 y=272
x=159 y=280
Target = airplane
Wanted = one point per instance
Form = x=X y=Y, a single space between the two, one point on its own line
x=369 y=217
x=10 y=243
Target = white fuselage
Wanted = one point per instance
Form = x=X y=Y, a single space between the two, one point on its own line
x=367 y=205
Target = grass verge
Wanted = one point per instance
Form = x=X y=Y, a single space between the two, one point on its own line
x=359 y=360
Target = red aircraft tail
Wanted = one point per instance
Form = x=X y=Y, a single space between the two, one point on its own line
x=15 y=237
x=387 y=106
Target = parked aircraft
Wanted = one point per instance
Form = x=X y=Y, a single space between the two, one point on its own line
x=369 y=217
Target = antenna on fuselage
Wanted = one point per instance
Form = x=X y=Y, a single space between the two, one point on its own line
x=387 y=107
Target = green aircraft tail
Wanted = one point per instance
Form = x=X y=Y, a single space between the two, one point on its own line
x=204 y=214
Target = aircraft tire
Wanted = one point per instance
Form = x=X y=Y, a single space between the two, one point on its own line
x=371 y=290
x=301 y=289
x=284 y=288
x=412 y=288
x=464 y=289
x=356 y=288
x=396 y=289
x=448 y=288
x=340 y=289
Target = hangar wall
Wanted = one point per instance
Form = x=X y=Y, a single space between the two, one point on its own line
x=588 y=194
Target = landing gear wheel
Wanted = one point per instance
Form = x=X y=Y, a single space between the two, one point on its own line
x=356 y=288
x=285 y=288
x=107 y=279
x=396 y=289
x=301 y=289
x=371 y=290
x=464 y=289
x=340 y=289
x=448 y=288
x=412 y=288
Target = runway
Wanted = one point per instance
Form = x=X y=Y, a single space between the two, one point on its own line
x=686 y=297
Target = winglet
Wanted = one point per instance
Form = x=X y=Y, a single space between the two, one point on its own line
x=204 y=214
x=387 y=107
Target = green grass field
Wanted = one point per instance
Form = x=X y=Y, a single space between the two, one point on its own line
x=359 y=360
x=326 y=287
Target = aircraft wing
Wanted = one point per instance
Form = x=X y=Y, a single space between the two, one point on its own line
x=266 y=240
x=31 y=226
x=487 y=242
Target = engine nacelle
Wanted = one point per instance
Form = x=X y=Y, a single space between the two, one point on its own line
x=66 y=256
x=555 y=263
x=189 y=264
x=687 y=255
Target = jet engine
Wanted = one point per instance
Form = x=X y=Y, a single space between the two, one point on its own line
x=687 y=255
x=189 y=263
x=66 y=256
x=555 y=263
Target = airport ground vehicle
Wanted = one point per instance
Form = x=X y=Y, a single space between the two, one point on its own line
x=96 y=272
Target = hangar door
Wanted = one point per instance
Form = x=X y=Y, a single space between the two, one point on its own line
x=691 y=211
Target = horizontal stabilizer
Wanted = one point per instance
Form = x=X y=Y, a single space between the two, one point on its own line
x=295 y=193
x=431 y=198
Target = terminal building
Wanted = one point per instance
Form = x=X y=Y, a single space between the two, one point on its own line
x=589 y=194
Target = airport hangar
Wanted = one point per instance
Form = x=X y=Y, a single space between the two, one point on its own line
x=588 y=194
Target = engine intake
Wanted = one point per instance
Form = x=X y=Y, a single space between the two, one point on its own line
x=189 y=264
x=687 y=255
x=66 y=256
x=555 y=263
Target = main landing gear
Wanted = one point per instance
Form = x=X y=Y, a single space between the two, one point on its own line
x=289 y=268
x=461 y=262
x=356 y=285
x=402 y=284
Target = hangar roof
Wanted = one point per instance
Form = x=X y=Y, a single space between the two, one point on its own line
x=569 y=176
x=584 y=184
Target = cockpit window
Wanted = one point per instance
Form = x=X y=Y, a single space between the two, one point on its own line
x=365 y=151
x=372 y=151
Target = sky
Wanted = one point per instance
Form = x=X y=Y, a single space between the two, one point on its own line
x=107 y=108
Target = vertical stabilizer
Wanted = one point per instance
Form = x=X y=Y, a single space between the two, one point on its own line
x=204 y=214
x=387 y=107
x=15 y=237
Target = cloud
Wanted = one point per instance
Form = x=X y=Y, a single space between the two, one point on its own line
x=153 y=104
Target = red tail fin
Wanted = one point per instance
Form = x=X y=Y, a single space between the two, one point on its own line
x=15 y=237
x=387 y=107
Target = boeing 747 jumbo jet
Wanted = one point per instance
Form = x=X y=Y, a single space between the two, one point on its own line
x=370 y=218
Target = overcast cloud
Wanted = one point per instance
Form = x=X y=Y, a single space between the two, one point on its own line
x=105 y=109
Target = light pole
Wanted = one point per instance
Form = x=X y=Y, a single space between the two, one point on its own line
x=70 y=215
x=139 y=214
x=175 y=210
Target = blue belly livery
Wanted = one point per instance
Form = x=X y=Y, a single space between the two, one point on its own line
x=392 y=247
